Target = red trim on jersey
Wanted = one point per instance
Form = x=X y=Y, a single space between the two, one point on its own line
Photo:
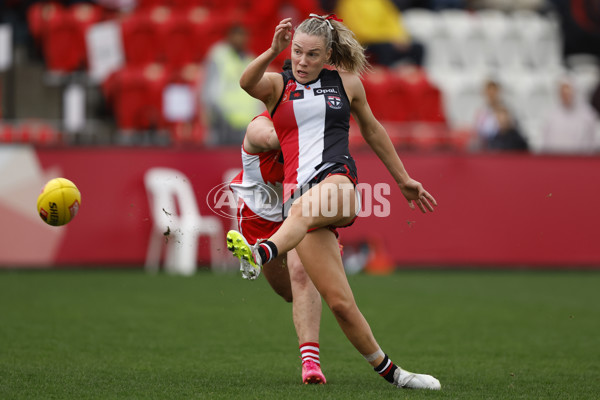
x=270 y=167
x=264 y=114
x=289 y=142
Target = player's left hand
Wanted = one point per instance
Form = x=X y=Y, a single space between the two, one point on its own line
x=414 y=192
x=283 y=36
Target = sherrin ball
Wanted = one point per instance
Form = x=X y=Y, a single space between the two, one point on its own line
x=59 y=202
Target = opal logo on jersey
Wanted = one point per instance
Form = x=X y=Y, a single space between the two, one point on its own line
x=264 y=198
x=327 y=90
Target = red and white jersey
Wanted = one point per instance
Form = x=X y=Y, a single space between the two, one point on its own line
x=259 y=184
x=312 y=122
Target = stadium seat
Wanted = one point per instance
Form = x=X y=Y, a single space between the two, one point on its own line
x=388 y=98
x=38 y=14
x=535 y=94
x=504 y=47
x=63 y=36
x=422 y=24
x=6 y=133
x=462 y=95
x=426 y=27
x=180 y=39
x=135 y=95
x=188 y=4
x=177 y=223
x=189 y=34
x=539 y=39
x=142 y=5
x=143 y=37
x=466 y=43
x=36 y=132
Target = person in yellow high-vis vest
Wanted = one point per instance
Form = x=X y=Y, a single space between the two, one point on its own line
x=228 y=108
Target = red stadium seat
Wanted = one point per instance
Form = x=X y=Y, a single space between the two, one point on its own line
x=211 y=30
x=135 y=95
x=63 y=47
x=388 y=97
x=188 y=4
x=189 y=33
x=63 y=39
x=148 y=4
x=143 y=35
x=6 y=133
x=38 y=14
x=36 y=132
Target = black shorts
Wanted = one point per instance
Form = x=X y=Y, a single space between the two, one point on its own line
x=346 y=169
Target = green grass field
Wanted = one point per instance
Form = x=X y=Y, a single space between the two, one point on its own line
x=124 y=334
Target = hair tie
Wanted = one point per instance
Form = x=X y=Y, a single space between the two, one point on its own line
x=326 y=18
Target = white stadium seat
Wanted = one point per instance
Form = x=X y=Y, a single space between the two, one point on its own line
x=177 y=223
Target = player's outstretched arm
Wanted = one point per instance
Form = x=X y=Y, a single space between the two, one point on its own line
x=377 y=138
x=255 y=80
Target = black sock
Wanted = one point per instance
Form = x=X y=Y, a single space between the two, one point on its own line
x=267 y=251
x=386 y=369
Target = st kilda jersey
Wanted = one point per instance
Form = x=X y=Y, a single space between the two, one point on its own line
x=312 y=122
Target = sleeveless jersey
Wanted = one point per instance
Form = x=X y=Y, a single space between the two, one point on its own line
x=259 y=183
x=312 y=122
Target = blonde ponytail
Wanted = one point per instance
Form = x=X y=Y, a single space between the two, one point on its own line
x=347 y=53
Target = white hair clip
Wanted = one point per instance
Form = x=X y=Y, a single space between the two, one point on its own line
x=326 y=18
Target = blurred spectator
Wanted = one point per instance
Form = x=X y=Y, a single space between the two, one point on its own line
x=228 y=108
x=508 y=137
x=487 y=124
x=377 y=24
x=571 y=126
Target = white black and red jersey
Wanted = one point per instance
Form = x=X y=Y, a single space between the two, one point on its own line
x=312 y=122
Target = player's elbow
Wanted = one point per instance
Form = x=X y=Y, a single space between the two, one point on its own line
x=244 y=84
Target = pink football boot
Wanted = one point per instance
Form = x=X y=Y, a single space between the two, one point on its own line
x=311 y=373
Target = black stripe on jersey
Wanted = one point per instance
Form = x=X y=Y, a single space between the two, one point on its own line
x=287 y=76
x=337 y=119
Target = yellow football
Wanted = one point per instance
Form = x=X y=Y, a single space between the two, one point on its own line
x=59 y=202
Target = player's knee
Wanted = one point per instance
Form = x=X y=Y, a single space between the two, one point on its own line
x=342 y=308
x=298 y=275
x=301 y=213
